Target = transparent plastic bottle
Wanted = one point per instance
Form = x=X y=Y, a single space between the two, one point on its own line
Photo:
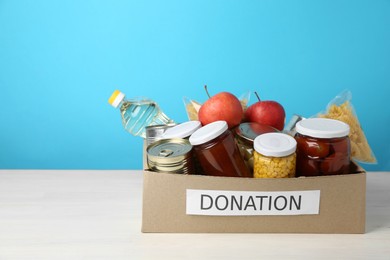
x=138 y=113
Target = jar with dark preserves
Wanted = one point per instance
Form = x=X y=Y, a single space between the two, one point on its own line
x=217 y=152
x=323 y=147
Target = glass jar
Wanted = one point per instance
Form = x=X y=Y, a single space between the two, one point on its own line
x=217 y=151
x=323 y=147
x=274 y=156
x=245 y=133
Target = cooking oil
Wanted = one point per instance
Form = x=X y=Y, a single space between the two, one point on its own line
x=138 y=113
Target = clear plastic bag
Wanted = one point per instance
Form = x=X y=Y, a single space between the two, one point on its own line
x=341 y=108
x=192 y=106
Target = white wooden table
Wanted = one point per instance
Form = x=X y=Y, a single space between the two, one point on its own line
x=62 y=214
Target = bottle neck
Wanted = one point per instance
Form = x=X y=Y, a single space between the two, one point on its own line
x=118 y=99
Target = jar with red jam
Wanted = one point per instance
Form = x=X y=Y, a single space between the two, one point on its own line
x=323 y=147
x=217 y=152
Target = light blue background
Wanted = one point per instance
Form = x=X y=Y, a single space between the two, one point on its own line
x=61 y=60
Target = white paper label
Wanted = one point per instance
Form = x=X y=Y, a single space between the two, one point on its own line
x=252 y=203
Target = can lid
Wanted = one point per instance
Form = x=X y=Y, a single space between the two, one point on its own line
x=322 y=128
x=275 y=144
x=250 y=130
x=116 y=98
x=182 y=130
x=208 y=132
x=168 y=151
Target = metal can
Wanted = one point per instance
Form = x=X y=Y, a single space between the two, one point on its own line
x=185 y=130
x=154 y=132
x=171 y=155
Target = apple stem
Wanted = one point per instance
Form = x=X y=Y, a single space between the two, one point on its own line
x=205 y=88
x=257 y=96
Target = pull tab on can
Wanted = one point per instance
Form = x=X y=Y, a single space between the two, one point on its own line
x=165 y=152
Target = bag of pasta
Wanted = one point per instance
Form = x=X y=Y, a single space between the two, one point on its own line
x=341 y=108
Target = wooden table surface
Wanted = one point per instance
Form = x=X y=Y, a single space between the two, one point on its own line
x=74 y=214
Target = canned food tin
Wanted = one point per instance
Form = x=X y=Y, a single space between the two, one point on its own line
x=171 y=155
x=155 y=132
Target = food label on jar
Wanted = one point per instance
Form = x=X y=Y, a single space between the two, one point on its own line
x=251 y=203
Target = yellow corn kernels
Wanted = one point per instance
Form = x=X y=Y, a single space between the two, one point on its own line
x=274 y=167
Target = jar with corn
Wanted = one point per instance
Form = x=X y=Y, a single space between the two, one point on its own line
x=274 y=156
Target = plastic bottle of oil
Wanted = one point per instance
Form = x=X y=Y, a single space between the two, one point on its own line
x=138 y=113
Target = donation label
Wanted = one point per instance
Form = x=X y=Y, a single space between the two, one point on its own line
x=252 y=203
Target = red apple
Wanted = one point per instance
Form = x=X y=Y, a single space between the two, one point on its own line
x=222 y=106
x=266 y=112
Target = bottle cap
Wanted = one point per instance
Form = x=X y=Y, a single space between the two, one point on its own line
x=116 y=98
x=322 y=128
x=182 y=130
x=208 y=132
x=275 y=144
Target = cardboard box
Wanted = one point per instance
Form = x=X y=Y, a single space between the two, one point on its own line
x=340 y=204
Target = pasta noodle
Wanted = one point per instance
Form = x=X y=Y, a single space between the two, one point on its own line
x=360 y=149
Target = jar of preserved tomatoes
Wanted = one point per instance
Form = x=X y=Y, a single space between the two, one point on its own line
x=274 y=156
x=323 y=147
x=217 y=152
